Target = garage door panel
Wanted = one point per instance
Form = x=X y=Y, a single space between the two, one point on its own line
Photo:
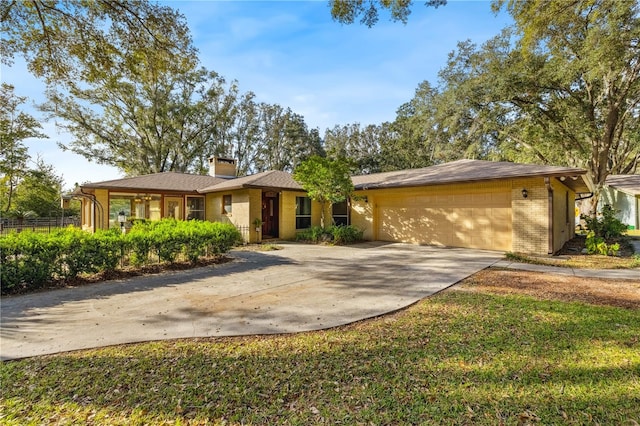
x=457 y=220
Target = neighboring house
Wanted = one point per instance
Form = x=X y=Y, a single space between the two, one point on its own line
x=466 y=203
x=622 y=192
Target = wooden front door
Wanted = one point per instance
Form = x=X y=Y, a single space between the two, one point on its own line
x=270 y=216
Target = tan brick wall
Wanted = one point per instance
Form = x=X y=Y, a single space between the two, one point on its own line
x=246 y=205
x=213 y=208
x=530 y=216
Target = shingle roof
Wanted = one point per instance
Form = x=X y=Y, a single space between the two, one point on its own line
x=275 y=179
x=625 y=183
x=454 y=172
x=466 y=171
x=166 y=181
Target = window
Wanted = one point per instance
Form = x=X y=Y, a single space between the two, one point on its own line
x=135 y=206
x=303 y=212
x=195 y=208
x=226 y=204
x=340 y=213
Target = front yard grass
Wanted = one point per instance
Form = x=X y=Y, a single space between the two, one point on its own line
x=482 y=352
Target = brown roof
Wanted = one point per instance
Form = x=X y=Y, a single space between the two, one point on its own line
x=625 y=183
x=273 y=179
x=454 y=172
x=166 y=181
x=467 y=171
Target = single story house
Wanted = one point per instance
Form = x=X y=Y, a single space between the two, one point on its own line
x=622 y=192
x=467 y=203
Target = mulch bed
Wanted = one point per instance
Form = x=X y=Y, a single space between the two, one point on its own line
x=126 y=272
x=576 y=246
x=545 y=286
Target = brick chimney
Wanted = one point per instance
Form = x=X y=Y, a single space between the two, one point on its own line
x=222 y=167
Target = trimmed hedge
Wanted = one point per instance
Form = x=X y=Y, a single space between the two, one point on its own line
x=336 y=234
x=29 y=261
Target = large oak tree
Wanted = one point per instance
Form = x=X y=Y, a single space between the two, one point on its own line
x=560 y=87
x=368 y=11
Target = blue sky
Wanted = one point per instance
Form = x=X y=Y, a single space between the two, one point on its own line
x=292 y=53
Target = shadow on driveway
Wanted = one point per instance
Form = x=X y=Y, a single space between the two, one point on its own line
x=299 y=288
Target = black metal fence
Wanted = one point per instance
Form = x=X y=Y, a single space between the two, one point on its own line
x=244 y=231
x=38 y=224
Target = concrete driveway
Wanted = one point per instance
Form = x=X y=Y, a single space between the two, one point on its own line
x=299 y=288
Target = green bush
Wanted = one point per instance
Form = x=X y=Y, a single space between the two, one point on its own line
x=598 y=245
x=345 y=234
x=138 y=242
x=607 y=225
x=82 y=252
x=605 y=232
x=313 y=234
x=31 y=260
x=337 y=234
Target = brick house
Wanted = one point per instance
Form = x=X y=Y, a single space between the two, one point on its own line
x=467 y=203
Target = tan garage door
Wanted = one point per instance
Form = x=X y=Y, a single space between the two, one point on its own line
x=480 y=221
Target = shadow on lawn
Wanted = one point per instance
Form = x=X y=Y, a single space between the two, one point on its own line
x=461 y=359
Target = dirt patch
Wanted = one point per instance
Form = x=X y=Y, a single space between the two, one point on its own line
x=609 y=292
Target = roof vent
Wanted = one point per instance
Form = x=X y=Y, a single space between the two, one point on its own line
x=222 y=167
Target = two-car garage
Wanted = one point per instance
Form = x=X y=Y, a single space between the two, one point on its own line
x=474 y=220
x=471 y=203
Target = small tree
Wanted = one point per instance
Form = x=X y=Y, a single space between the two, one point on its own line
x=15 y=127
x=326 y=181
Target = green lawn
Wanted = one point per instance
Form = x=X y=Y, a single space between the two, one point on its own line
x=460 y=357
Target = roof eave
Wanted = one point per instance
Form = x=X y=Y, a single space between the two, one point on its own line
x=140 y=189
x=249 y=186
x=576 y=172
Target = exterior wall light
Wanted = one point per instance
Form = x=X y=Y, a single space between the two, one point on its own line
x=525 y=193
x=122 y=218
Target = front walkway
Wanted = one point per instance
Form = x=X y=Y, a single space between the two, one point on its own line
x=299 y=288
x=620 y=274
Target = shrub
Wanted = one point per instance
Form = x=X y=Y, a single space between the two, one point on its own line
x=345 y=234
x=604 y=233
x=30 y=260
x=81 y=252
x=607 y=226
x=169 y=238
x=598 y=245
x=337 y=234
x=313 y=234
x=138 y=242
